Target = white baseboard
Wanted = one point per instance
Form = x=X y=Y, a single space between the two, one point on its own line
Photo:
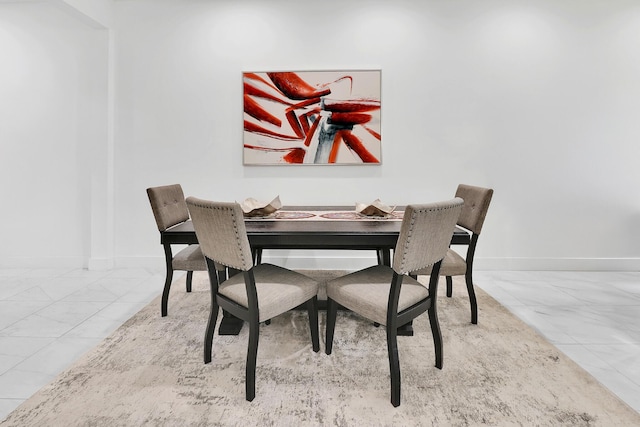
x=332 y=261
x=363 y=259
x=100 y=264
x=322 y=263
x=350 y=263
x=67 y=262
x=557 y=264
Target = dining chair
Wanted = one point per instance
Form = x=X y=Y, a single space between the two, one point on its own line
x=259 y=292
x=389 y=295
x=169 y=209
x=474 y=211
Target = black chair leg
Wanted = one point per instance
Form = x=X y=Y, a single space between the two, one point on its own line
x=394 y=364
x=472 y=298
x=189 y=280
x=252 y=353
x=332 y=312
x=165 y=293
x=257 y=256
x=211 y=326
x=437 y=336
x=312 y=308
x=449 y=286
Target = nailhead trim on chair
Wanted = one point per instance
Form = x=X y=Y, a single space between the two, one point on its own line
x=236 y=231
x=411 y=229
x=409 y=235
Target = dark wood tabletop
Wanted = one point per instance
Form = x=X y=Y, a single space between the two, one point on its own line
x=312 y=234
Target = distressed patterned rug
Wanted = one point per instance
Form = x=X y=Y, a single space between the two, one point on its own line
x=150 y=372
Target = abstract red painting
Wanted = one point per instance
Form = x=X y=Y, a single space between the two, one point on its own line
x=312 y=117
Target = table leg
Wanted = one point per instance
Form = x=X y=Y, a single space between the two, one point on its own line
x=406 y=330
x=230 y=324
x=384 y=256
x=257 y=256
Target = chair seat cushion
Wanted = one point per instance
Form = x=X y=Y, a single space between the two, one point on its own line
x=189 y=259
x=452 y=265
x=366 y=292
x=279 y=289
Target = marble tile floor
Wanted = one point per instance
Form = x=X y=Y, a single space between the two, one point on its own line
x=592 y=317
x=48 y=318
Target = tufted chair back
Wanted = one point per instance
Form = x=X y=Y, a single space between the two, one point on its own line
x=221 y=232
x=425 y=234
x=476 y=205
x=168 y=205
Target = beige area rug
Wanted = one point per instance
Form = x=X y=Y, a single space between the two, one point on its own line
x=150 y=372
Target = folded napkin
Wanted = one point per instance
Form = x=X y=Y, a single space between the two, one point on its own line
x=376 y=208
x=253 y=208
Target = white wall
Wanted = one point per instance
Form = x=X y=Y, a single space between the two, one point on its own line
x=538 y=100
x=53 y=128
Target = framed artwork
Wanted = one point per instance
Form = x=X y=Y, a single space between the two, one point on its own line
x=312 y=118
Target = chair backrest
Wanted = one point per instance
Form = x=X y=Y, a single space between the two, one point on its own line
x=425 y=234
x=221 y=232
x=476 y=205
x=168 y=205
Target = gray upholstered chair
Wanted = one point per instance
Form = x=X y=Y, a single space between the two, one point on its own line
x=391 y=297
x=258 y=292
x=474 y=211
x=169 y=209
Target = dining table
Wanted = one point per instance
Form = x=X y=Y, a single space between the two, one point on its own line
x=313 y=228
